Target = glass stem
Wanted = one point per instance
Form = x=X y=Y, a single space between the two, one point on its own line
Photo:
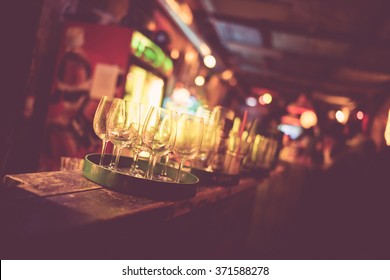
x=152 y=164
x=104 y=146
x=164 y=169
x=134 y=164
x=177 y=180
x=114 y=152
x=117 y=157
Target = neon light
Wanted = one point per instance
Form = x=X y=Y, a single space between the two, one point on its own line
x=150 y=53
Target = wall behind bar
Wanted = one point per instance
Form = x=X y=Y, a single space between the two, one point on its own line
x=36 y=44
x=18 y=43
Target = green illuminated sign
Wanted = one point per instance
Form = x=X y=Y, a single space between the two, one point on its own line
x=149 y=52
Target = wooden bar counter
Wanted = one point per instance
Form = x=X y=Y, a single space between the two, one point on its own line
x=62 y=215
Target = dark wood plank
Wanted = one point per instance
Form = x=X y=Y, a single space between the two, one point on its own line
x=70 y=208
x=63 y=215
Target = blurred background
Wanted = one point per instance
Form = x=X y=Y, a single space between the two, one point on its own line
x=314 y=74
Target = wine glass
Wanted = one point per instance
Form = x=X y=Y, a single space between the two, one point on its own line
x=208 y=141
x=159 y=133
x=164 y=171
x=138 y=145
x=188 y=139
x=123 y=124
x=166 y=155
x=100 y=121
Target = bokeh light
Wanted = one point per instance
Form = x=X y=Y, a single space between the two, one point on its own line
x=199 y=81
x=251 y=101
x=360 y=115
x=340 y=117
x=308 y=119
x=209 y=61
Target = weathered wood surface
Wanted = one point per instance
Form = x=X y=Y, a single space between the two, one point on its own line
x=66 y=210
x=45 y=184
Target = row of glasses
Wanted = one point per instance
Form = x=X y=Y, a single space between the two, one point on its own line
x=159 y=131
x=118 y=121
x=165 y=132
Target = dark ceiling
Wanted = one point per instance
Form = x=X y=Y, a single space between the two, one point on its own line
x=321 y=48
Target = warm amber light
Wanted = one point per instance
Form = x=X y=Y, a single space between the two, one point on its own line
x=175 y=54
x=267 y=98
x=199 y=81
x=340 y=117
x=151 y=25
x=331 y=115
x=236 y=124
x=227 y=74
x=182 y=10
x=233 y=82
x=387 y=130
x=209 y=61
x=189 y=56
x=308 y=119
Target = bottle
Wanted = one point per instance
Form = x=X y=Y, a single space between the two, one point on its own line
x=221 y=147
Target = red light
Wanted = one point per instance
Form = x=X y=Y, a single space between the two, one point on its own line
x=261 y=100
x=360 y=115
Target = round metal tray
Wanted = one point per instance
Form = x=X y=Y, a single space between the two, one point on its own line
x=124 y=183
